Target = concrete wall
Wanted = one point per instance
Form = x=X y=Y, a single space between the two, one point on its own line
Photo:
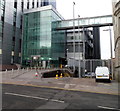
x=116 y=22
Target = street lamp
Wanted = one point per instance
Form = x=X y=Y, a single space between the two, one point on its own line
x=67 y=55
x=49 y=59
x=110 y=48
x=74 y=35
x=84 y=51
x=79 y=46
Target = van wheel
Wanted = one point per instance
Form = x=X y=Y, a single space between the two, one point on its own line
x=96 y=80
x=109 y=81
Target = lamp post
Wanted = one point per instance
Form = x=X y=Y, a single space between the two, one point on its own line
x=67 y=55
x=111 y=56
x=74 y=35
x=83 y=51
x=49 y=62
x=79 y=46
x=35 y=61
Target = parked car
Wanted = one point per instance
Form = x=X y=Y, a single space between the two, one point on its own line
x=102 y=73
x=90 y=75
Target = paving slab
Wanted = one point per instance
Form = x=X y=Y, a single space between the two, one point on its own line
x=27 y=77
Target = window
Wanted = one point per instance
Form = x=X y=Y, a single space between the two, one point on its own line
x=14 y=17
x=37 y=3
x=14 y=30
x=22 y=5
x=2 y=6
x=0 y=51
x=27 y=4
x=13 y=43
x=2 y=18
x=33 y=4
x=21 y=22
x=44 y=3
x=20 y=42
x=15 y=3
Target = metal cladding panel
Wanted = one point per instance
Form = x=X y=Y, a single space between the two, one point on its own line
x=35 y=3
x=37 y=9
x=25 y=4
x=52 y=2
x=18 y=17
x=17 y=45
x=30 y=3
x=39 y=3
x=9 y=4
x=7 y=43
x=96 y=43
x=0 y=10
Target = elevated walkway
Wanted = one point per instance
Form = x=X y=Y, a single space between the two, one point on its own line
x=98 y=21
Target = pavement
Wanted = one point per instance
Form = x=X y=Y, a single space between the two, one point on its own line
x=28 y=78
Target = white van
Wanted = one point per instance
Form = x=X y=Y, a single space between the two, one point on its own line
x=102 y=73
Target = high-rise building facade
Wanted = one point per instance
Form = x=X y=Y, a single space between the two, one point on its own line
x=42 y=44
x=11 y=27
x=116 y=23
x=32 y=34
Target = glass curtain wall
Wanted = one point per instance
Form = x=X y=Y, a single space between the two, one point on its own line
x=58 y=42
x=42 y=46
x=2 y=10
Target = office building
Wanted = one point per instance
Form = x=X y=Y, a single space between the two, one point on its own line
x=11 y=27
x=42 y=45
x=116 y=24
x=29 y=34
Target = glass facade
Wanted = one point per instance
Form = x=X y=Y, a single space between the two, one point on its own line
x=86 y=21
x=2 y=10
x=1 y=14
x=11 y=19
x=41 y=40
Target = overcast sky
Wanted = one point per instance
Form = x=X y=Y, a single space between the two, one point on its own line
x=89 y=8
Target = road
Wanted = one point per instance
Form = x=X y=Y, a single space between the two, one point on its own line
x=28 y=97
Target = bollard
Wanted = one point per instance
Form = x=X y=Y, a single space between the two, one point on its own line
x=12 y=72
x=6 y=70
x=56 y=76
x=18 y=71
x=27 y=69
x=23 y=70
x=61 y=75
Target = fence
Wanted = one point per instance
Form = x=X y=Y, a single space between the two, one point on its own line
x=88 y=65
x=14 y=73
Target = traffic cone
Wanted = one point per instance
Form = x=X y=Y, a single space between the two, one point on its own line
x=61 y=75
x=36 y=74
x=56 y=76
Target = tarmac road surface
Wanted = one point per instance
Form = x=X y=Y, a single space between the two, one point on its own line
x=28 y=97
